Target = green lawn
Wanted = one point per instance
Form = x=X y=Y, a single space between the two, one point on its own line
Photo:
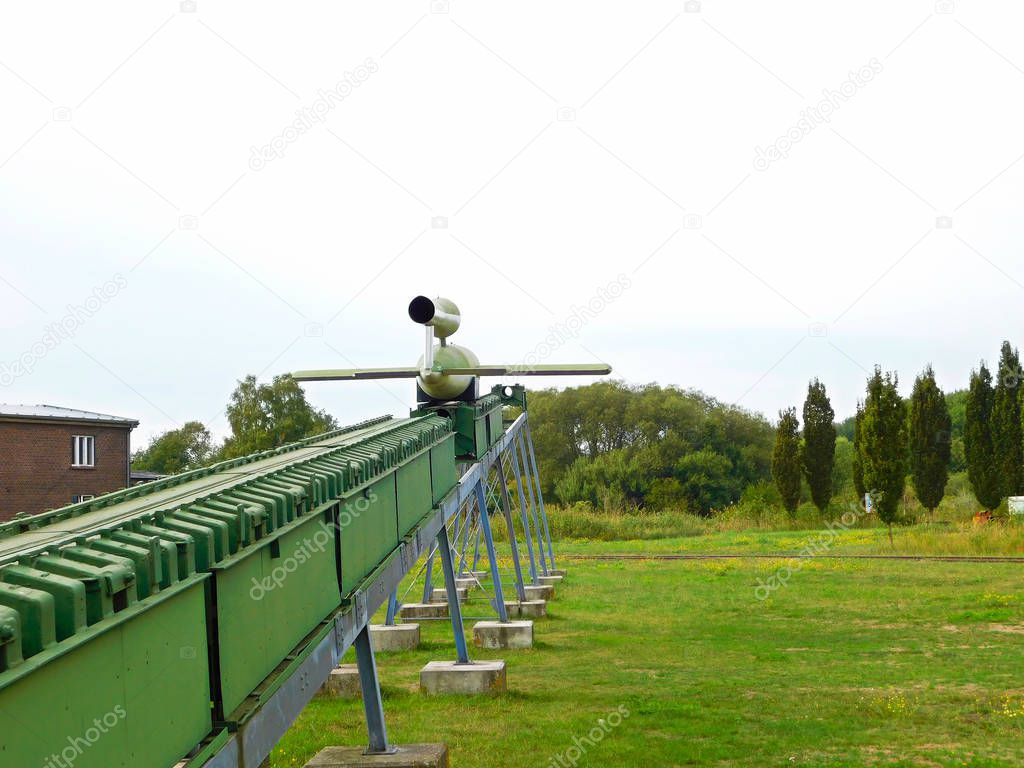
x=922 y=539
x=852 y=663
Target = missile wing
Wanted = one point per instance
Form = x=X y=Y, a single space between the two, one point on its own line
x=515 y=369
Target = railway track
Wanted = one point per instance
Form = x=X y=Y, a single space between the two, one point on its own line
x=795 y=556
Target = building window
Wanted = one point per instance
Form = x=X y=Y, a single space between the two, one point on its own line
x=82 y=497
x=83 y=451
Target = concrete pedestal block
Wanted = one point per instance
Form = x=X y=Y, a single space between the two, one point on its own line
x=441 y=595
x=343 y=683
x=407 y=756
x=479 y=574
x=541 y=592
x=496 y=635
x=473 y=678
x=550 y=580
x=398 y=637
x=466 y=583
x=424 y=611
x=531 y=609
x=557 y=572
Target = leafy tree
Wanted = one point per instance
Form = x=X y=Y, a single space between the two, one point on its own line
x=930 y=440
x=265 y=416
x=786 y=460
x=858 y=444
x=1007 y=433
x=883 y=445
x=616 y=445
x=842 y=470
x=706 y=479
x=982 y=465
x=819 y=449
x=176 y=450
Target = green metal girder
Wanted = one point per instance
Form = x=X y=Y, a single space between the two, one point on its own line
x=229 y=569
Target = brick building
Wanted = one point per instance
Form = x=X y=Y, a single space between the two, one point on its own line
x=51 y=457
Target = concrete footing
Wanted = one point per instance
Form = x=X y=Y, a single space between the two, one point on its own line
x=466 y=583
x=406 y=756
x=479 y=574
x=531 y=609
x=539 y=592
x=343 y=683
x=556 y=572
x=496 y=635
x=397 y=637
x=424 y=611
x=474 y=678
x=441 y=595
x=552 y=580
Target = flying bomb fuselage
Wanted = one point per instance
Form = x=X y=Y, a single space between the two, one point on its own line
x=443 y=316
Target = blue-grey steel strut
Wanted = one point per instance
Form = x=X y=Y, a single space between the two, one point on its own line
x=370 y=684
x=540 y=495
x=465 y=540
x=393 y=607
x=485 y=525
x=444 y=548
x=476 y=550
x=533 y=503
x=506 y=509
x=428 y=579
x=523 y=514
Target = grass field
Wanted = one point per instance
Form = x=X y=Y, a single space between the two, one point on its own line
x=922 y=539
x=851 y=663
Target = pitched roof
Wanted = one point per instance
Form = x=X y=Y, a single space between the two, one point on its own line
x=50 y=412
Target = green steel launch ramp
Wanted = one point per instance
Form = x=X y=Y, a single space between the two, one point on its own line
x=191 y=619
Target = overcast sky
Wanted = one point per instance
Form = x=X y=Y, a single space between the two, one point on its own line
x=747 y=194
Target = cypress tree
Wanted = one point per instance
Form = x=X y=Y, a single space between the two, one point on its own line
x=1007 y=435
x=858 y=465
x=930 y=440
x=819 y=454
x=982 y=466
x=786 y=460
x=883 y=449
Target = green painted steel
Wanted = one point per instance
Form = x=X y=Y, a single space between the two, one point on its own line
x=167 y=607
x=478 y=424
x=143 y=678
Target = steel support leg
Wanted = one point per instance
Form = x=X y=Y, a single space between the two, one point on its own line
x=454 y=609
x=533 y=506
x=392 y=609
x=371 y=695
x=506 y=508
x=465 y=541
x=428 y=578
x=540 y=496
x=522 y=513
x=476 y=550
x=485 y=525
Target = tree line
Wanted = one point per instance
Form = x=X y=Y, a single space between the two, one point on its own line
x=261 y=416
x=616 y=446
x=894 y=439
